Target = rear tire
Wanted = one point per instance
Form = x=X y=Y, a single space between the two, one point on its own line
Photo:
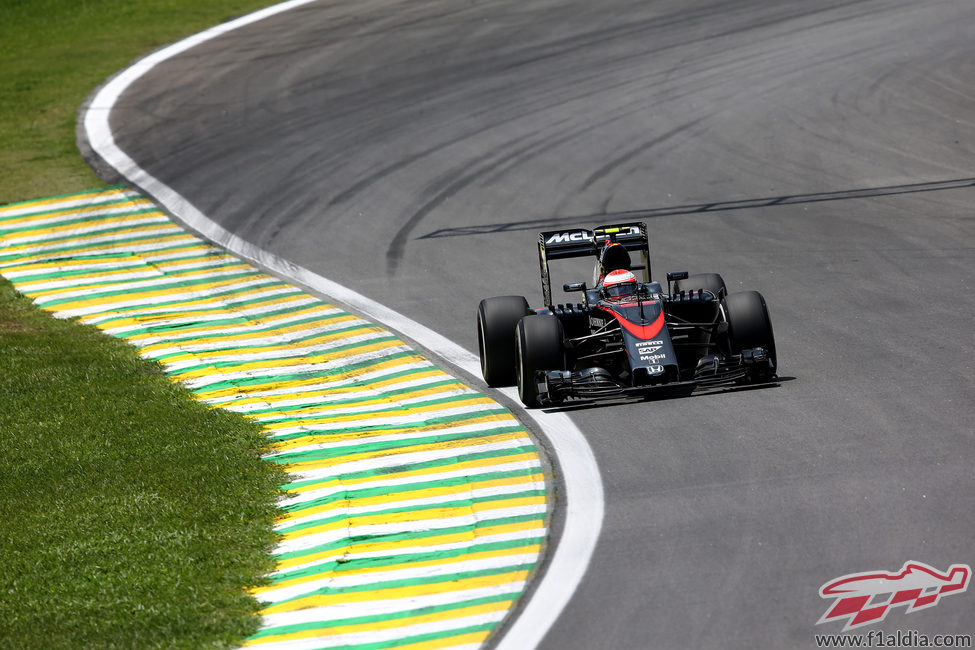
x=749 y=326
x=712 y=282
x=539 y=342
x=496 y=322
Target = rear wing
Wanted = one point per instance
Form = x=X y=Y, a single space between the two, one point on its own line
x=580 y=242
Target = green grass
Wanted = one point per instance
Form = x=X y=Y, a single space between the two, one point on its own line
x=53 y=53
x=131 y=516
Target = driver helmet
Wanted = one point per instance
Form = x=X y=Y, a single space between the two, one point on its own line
x=619 y=284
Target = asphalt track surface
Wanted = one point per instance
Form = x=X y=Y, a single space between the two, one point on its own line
x=820 y=152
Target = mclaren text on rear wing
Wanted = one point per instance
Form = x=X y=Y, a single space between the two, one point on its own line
x=581 y=242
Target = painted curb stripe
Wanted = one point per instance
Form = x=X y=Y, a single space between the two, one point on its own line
x=417 y=507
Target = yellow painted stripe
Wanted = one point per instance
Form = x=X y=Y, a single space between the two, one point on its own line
x=412 y=591
x=297 y=384
x=415 y=516
x=460 y=490
x=40 y=203
x=409 y=564
x=447 y=642
x=418 y=473
x=99 y=247
x=348 y=374
x=133 y=264
x=84 y=240
x=406 y=449
x=404 y=409
x=44 y=264
x=169 y=277
x=228 y=310
x=57 y=229
x=283 y=346
x=532 y=526
x=365 y=387
x=375 y=626
x=366 y=401
x=284 y=364
x=213 y=337
x=155 y=313
x=173 y=292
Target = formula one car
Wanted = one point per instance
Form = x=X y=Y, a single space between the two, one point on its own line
x=626 y=336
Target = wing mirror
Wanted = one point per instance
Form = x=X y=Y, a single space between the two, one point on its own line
x=570 y=287
x=674 y=276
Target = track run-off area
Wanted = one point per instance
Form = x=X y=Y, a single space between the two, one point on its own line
x=822 y=153
x=416 y=508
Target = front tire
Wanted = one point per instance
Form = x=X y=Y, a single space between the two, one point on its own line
x=749 y=326
x=496 y=322
x=539 y=348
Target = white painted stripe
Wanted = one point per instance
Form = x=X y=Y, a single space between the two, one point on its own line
x=583 y=491
x=197 y=259
x=358 y=440
x=100 y=306
x=111 y=270
x=458 y=493
x=127 y=281
x=280 y=354
x=421 y=365
x=38 y=221
x=83 y=231
x=297 y=498
x=209 y=343
x=80 y=242
x=380 y=419
x=310 y=644
x=445 y=567
x=123 y=261
x=128 y=247
x=342 y=611
x=82 y=280
x=39 y=268
x=327 y=411
x=379 y=636
x=56 y=206
x=398 y=459
x=480 y=518
x=379 y=392
x=377 y=356
x=528 y=536
x=306 y=302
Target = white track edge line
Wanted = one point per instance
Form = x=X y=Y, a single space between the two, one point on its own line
x=584 y=504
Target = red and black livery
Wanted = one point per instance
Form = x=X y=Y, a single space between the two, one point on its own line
x=693 y=334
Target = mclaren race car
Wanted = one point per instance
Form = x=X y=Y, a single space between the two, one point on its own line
x=627 y=335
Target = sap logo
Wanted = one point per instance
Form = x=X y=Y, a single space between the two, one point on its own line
x=648 y=347
x=564 y=237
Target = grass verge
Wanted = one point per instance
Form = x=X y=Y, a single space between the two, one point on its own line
x=130 y=515
x=53 y=53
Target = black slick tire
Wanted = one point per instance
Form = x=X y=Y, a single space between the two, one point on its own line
x=496 y=321
x=712 y=282
x=749 y=325
x=539 y=342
